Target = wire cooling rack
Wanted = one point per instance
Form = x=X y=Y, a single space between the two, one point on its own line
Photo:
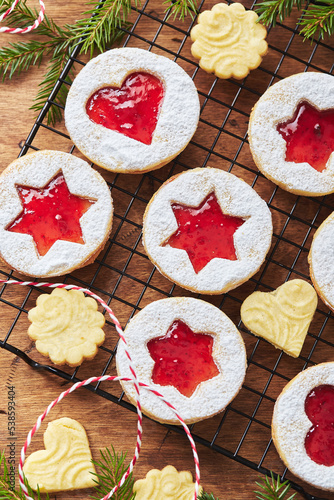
x=242 y=431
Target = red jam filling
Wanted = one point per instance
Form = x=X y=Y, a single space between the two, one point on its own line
x=132 y=110
x=309 y=136
x=319 y=441
x=49 y=214
x=182 y=358
x=204 y=232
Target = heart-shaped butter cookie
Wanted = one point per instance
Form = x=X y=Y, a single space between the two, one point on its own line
x=283 y=316
x=65 y=464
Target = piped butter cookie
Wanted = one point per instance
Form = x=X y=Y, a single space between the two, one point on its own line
x=66 y=326
x=303 y=426
x=189 y=351
x=228 y=40
x=56 y=214
x=207 y=230
x=65 y=464
x=131 y=111
x=291 y=134
x=283 y=316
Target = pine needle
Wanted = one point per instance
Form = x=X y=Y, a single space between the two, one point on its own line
x=181 y=8
x=206 y=496
x=269 y=10
x=273 y=489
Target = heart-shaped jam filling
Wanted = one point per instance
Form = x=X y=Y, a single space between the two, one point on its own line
x=319 y=441
x=309 y=136
x=204 y=232
x=182 y=358
x=49 y=214
x=133 y=109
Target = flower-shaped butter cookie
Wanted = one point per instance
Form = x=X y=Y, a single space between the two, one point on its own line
x=228 y=41
x=66 y=326
x=167 y=484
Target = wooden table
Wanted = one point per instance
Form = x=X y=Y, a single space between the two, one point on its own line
x=107 y=423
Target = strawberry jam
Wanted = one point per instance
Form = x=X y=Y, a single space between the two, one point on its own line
x=49 y=214
x=133 y=109
x=319 y=441
x=309 y=136
x=204 y=232
x=182 y=358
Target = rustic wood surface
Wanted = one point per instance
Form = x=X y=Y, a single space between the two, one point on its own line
x=108 y=423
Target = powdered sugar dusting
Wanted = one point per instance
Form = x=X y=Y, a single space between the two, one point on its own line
x=211 y=396
x=268 y=147
x=36 y=170
x=252 y=240
x=321 y=259
x=290 y=425
x=177 y=121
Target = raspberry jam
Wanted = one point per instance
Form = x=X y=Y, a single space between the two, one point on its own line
x=319 y=441
x=182 y=358
x=309 y=136
x=49 y=214
x=204 y=232
x=132 y=110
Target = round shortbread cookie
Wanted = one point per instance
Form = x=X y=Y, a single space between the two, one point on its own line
x=321 y=261
x=228 y=353
x=236 y=198
x=278 y=105
x=177 y=119
x=290 y=426
x=36 y=171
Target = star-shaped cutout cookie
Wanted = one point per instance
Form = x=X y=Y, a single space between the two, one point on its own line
x=50 y=213
x=182 y=358
x=204 y=232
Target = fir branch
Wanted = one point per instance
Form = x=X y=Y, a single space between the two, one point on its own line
x=273 y=490
x=206 y=496
x=181 y=8
x=269 y=10
x=20 y=56
x=318 y=20
x=110 y=469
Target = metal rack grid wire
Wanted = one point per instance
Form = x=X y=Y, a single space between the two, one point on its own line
x=221 y=141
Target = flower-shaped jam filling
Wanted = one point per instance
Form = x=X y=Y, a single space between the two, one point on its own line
x=309 y=136
x=49 y=214
x=182 y=358
x=319 y=441
x=133 y=109
x=204 y=232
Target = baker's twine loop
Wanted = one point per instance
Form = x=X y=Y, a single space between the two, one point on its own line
x=103 y=378
x=37 y=22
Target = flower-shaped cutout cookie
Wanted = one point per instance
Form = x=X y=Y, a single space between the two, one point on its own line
x=66 y=326
x=167 y=484
x=228 y=41
x=65 y=464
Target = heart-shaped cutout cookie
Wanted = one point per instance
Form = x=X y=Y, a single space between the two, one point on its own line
x=133 y=109
x=65 y=464
x=283 y=316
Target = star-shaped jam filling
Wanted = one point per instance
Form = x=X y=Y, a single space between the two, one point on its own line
x=182 y=358
x=204 y=232
x=309 y=136
x=50 y=213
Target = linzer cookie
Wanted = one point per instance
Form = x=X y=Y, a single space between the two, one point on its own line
x=207 y=230
x=303 y=426
x=228 y=40
x=130 y=110
x=66 y=462
x=189 y=351
x=291 y=134
x=321 y=260
x=56 y=214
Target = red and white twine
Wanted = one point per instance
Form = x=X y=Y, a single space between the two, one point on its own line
x=33 y=26
x=91 y=380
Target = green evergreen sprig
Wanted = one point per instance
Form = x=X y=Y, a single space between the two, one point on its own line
x=206 y=496
x=272 y=489
x=109 y=471
x=317 y=20
x=101 y=26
